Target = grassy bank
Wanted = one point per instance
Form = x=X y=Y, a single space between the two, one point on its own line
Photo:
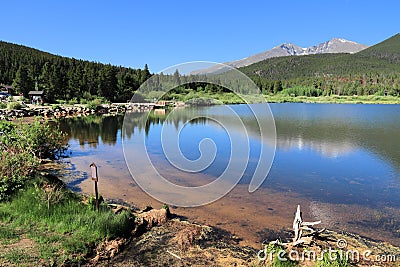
x=41 y=222
x=371 y=99
x=231 y=98
x=62 y=230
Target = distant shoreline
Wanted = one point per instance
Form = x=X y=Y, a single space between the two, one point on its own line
x=233 y=98
x=334 y=99
x=62 y=110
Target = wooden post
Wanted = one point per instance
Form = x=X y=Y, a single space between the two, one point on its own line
x=95 y=178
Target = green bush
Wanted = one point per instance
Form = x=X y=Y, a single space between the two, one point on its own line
x=98 y=101
x=42 y=140
x=24 y=99
x=14 y=105
x=92 y=105
x=73 y=101
x=3 y=105
x=92 y=201
x=55 y=106
x=87 y=96
x=21 y=148
x=95 y=103
x=16 y=167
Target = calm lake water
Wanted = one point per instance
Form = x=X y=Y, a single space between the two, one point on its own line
x=342 y=155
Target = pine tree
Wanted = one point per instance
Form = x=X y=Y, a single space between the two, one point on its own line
x=278 y=86
x=177 y=77
x=22 y=82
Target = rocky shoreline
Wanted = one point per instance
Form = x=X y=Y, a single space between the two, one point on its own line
x=73 y=110
x=162 y=238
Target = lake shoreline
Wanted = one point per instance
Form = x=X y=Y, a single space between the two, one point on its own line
x=181 y=240
x=334 y=99
x=222 y=212
x=64 y=110
x=216 y=244
x=236 y=212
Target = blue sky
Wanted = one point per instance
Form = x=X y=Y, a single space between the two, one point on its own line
x=165 y=33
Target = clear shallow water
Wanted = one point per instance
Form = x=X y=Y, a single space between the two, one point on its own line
x=326 y=153
x=340 y=153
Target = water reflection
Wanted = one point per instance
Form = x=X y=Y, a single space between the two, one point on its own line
x=90 y=130
x=339 y=157
x=335 y=153
x=318 y=127
x=338 y=130
x=99 y=129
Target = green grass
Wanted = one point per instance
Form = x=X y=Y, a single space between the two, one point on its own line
x=371 y=99
x=280 y=258
x=232 y=98
x=67 y=229
x=14 y=105
x=7 y=235
x=16 y=256
x=333 y=260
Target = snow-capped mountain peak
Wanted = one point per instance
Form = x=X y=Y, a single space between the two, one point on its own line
x=335 y=45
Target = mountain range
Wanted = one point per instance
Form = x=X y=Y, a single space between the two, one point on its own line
x=338 y=67
x=335 y=45
x=374 y=70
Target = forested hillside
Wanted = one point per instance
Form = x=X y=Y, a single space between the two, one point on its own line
x=375 y=70
x=66 y=78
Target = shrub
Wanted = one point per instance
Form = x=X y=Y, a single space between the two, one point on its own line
x=21 y=148
x=154 y=95
x=3 y=105
x=98 y=101
x=91 y=105
x=24 y=99
x=55 y=106
x=87 y=96
x=94 y=103
x=43 y=140
x=73 y=101
x=16 y=167
x=14 y=105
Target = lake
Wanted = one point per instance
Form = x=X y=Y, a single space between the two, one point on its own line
x=340 y=162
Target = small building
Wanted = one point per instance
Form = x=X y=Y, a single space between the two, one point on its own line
x=6 y=89
x=36 y=97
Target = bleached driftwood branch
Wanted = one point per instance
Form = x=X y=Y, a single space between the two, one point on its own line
x=299 y=226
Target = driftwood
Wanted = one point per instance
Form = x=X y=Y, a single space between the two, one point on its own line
x=116 y=208
x=299 y=226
